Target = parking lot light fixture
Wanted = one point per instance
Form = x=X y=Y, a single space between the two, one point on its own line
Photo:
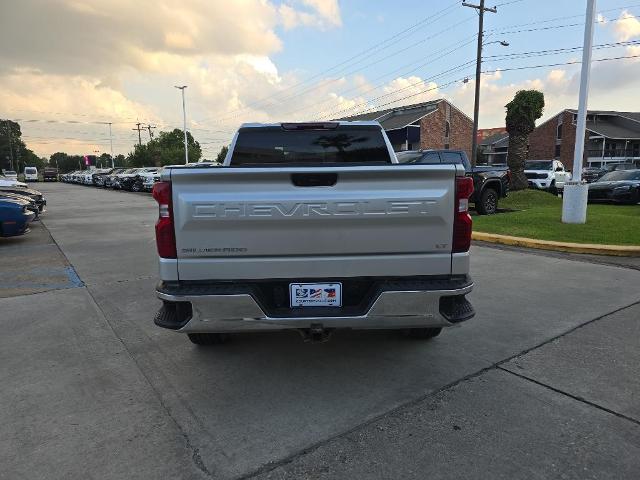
x=184 y=120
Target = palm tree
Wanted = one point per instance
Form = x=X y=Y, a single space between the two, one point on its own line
x=522 y=113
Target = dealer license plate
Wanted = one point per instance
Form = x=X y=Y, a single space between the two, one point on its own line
x=315 y=294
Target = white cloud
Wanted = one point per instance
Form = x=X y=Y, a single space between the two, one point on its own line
x=328 y=10
x=321 y=14
x=92 y=58
x=627 y=27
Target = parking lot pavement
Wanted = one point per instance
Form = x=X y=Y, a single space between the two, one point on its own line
x=33 y=263
x=264 y=399
x=74 y=404
x=495 y=426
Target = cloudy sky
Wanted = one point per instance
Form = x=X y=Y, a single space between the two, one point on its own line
x=67 y=65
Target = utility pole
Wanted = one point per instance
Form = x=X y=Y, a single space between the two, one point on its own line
x=149 y=127
x=575 y=195
x=111 y=144
x=476 y=106
x=138 y=129
x=184 y=119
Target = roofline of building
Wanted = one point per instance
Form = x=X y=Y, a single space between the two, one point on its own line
x=409 y=124
x=614 y=138
x=453 y=106
x=552 y=117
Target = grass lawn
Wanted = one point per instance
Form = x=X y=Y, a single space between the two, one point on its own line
x=539 y=216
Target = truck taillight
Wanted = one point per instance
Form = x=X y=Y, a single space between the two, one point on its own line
x=462 y=220
x=165 y=234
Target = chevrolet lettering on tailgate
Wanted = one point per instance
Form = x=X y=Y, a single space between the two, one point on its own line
x=239 y=210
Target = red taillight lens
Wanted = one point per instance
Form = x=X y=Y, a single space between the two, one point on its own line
x=462 y=220
x=165 y=234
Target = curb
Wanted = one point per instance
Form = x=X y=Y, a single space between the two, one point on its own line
x=594 y=249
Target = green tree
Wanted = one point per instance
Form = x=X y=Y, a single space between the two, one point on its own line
x=120 y=160
x=522 y=112
x=65 y=162
x=166 y=149
x=222 y=154
x=12 y=148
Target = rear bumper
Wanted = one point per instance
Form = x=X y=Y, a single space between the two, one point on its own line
x=392 y=304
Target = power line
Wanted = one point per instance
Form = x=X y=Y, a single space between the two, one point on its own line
x=576 y=62
x=381 y=85
x=485 y=72
x=566 y=17
x=226 y=118
x=422 y=23
x=557 y=51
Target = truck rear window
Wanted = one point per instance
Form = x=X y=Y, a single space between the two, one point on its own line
x=262 y=146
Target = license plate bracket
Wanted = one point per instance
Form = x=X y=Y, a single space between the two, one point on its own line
x=315 y=294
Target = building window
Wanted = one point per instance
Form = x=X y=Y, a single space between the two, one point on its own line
x=446 y=146
x=559 y=132
x=447 y=129
x=557 y=152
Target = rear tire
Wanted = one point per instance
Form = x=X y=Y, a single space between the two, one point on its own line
x=208 y=338
x=422 y=333
x=488 y=204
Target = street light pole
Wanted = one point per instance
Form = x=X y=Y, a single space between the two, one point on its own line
x=576 y=193
x=476 y=105
x=184 y=119
x=111 y=143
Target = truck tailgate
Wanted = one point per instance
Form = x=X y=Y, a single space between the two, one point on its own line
x=313 y=222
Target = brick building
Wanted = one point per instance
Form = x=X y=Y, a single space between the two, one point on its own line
x=611 y=137
x=436 y=124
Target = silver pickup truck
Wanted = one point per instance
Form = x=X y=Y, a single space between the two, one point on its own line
x=312 y=227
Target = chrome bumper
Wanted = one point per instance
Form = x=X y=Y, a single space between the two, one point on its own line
x=237 y=313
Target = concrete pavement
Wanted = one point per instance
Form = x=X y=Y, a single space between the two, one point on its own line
x=258 y=404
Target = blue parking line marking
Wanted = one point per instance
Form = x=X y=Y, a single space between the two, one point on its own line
x=73 y=277
x=60 y=278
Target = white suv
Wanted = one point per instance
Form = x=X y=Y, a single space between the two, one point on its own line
x=546 y=174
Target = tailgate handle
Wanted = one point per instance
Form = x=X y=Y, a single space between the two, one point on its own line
x=314 y=179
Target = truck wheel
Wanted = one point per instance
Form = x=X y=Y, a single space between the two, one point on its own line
x=208 y=338
x=488 y=204
x=423 y=333
x=552 y=188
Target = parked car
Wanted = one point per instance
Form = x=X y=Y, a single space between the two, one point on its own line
x=620 y=186
x=145 y=179
x=10 y=182
x=591 y=174
x=620 y=166
x=15 y=217
x=50 y=174
x=87 y=177
x=99 y=176
x=124 y=180
x=31 y=204
x=322 y=234
x=34 y=195
x=10 y=174
x=30 y=174
x=547 y=175
x=109 y=179
x=150 y=178
x=490 y=182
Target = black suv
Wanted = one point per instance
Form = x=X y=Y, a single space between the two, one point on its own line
x=490 y=182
